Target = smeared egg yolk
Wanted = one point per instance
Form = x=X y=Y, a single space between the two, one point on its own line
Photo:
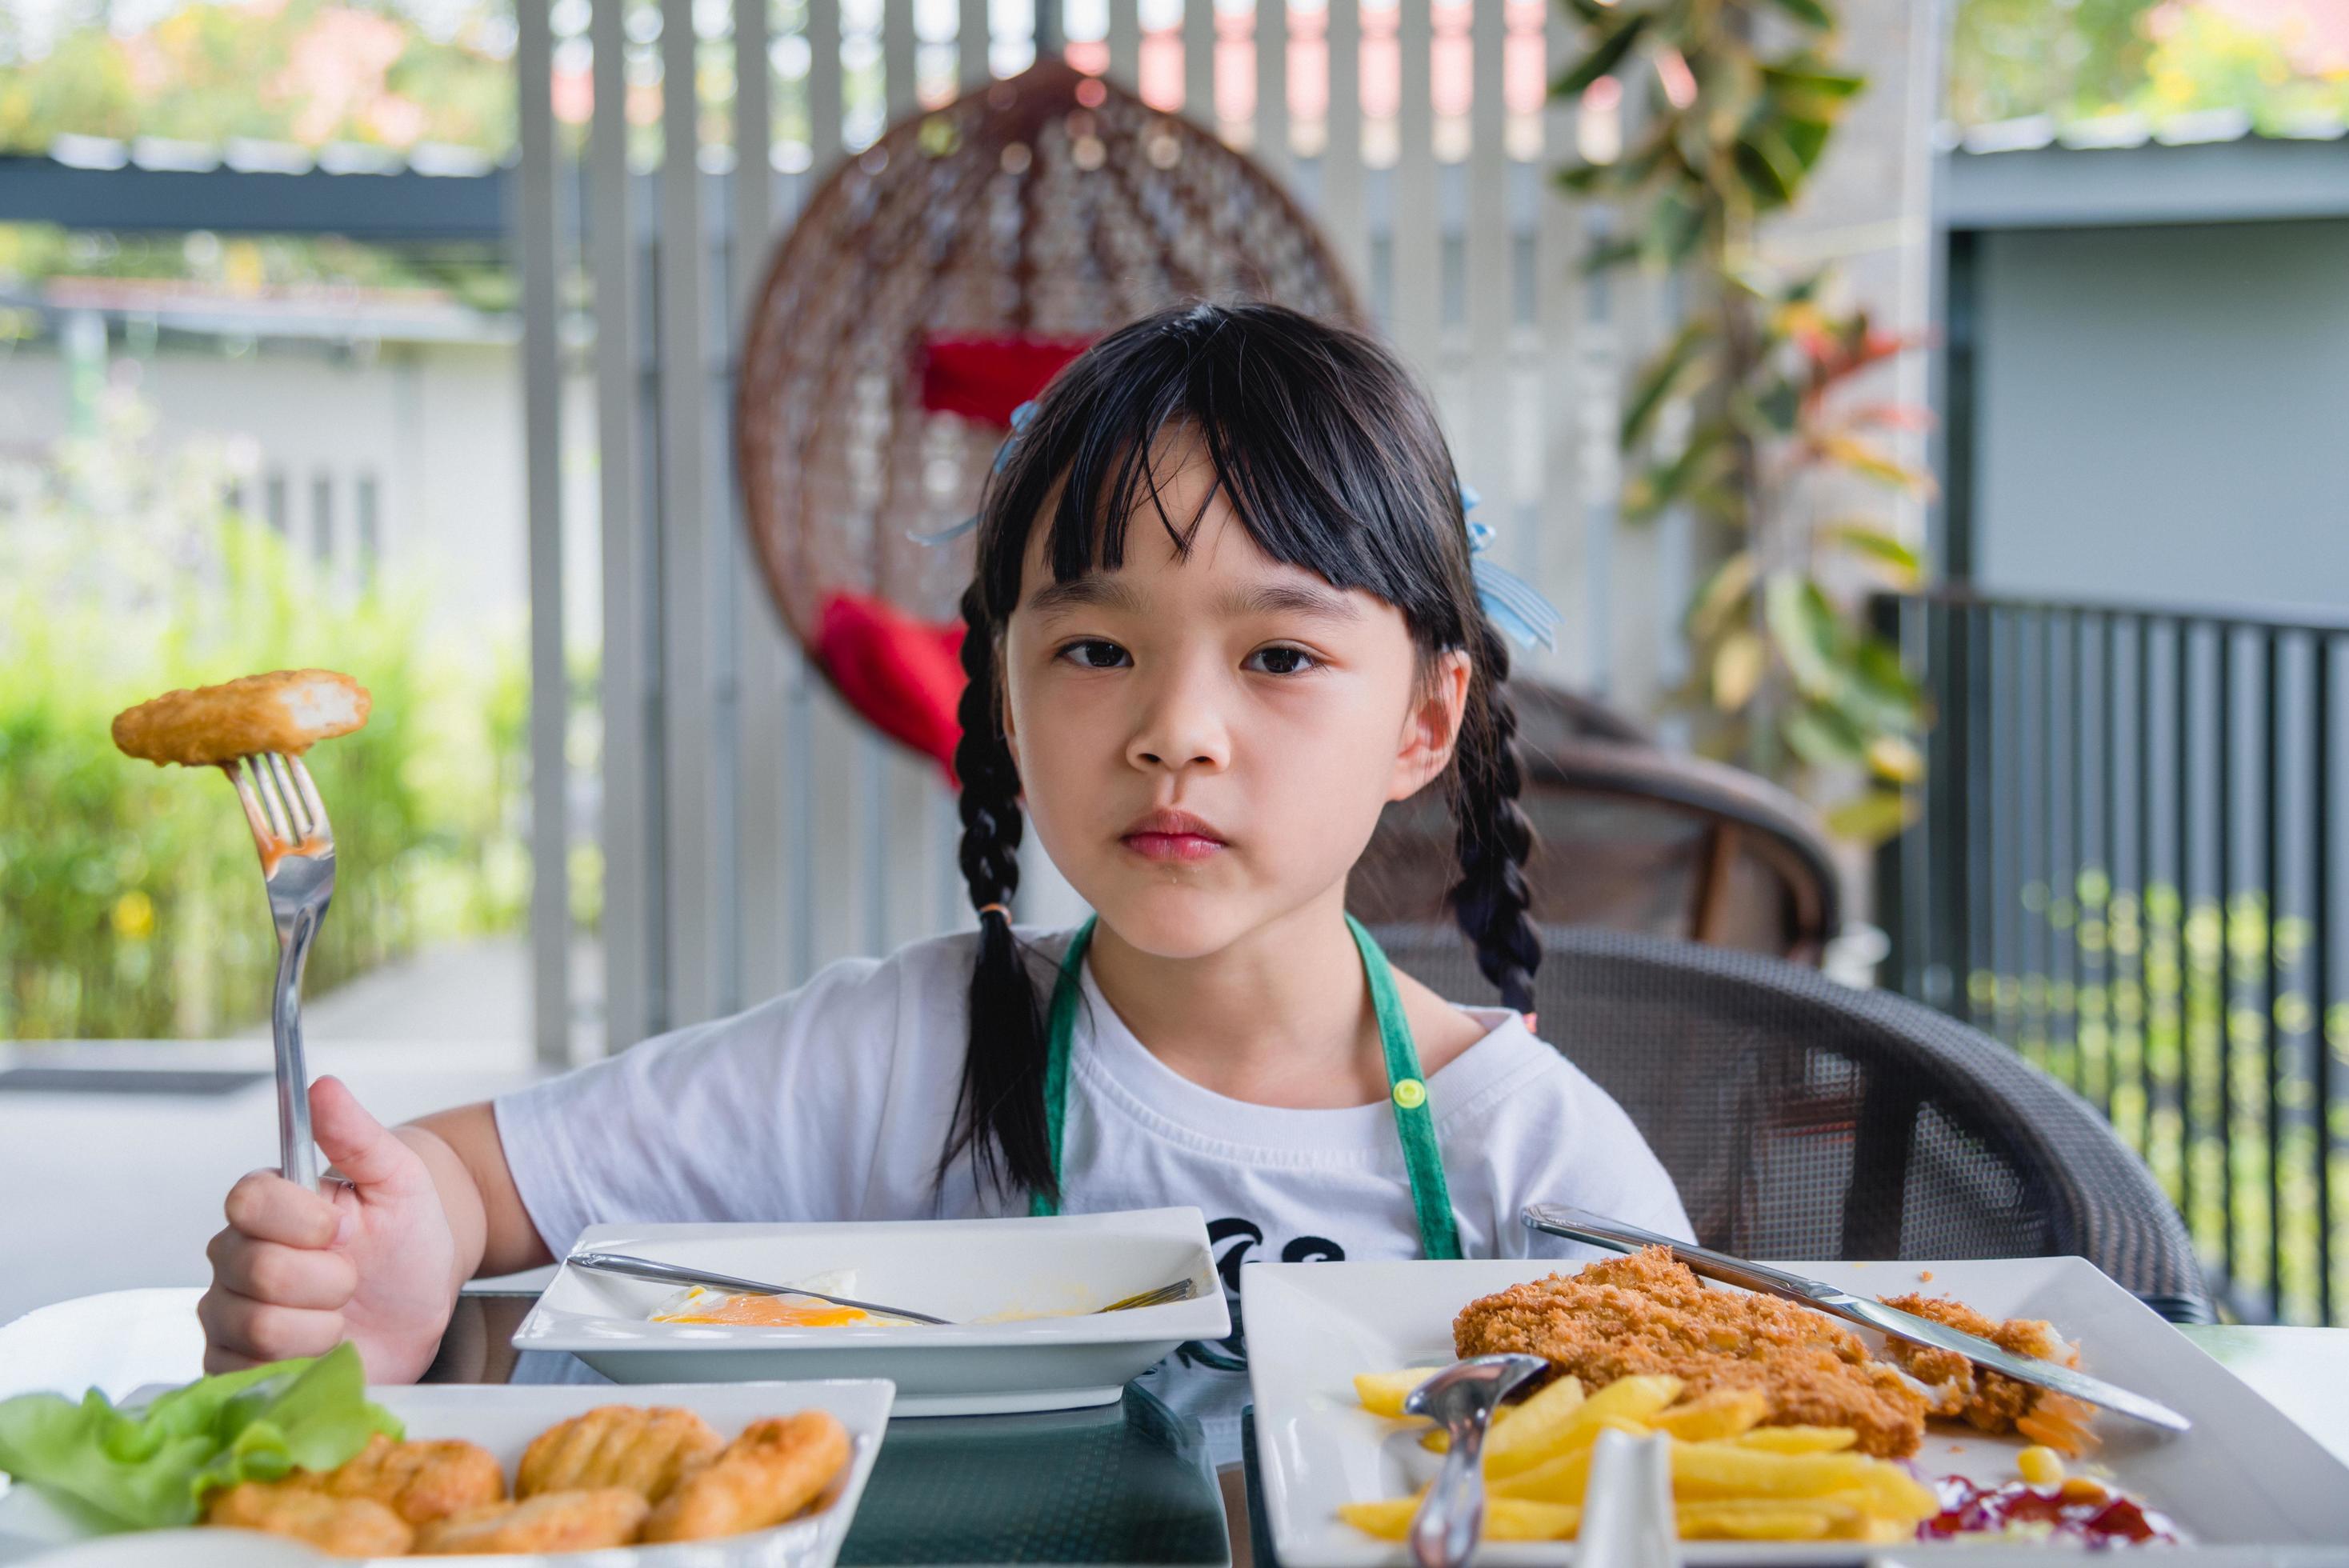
x=771 y=1312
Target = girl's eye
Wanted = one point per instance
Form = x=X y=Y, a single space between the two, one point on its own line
x=1096 y=653
x=1280 y=660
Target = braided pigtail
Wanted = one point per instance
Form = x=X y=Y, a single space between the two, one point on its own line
x=999 y=1112
x=1491 y=898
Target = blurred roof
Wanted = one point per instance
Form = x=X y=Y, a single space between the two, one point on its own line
x=2210 y=167
x=430 y=192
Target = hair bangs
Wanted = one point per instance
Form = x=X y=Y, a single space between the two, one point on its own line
x=1315 y=483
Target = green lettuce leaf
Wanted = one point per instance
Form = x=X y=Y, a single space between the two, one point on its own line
x=153 y=1468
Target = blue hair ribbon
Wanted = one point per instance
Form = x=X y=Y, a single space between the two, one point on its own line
x=1510 y=601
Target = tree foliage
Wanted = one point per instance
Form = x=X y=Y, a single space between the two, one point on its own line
x=305 y=71
x=1749 y=416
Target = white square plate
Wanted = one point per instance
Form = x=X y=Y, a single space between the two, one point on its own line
x=503 y=1420
x=2245 y=1474
x=1009 y=1274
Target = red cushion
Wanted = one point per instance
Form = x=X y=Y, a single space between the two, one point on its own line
x=904 y=675
x=987 y=377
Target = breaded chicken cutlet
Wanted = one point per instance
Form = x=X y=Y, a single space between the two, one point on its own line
x=1990 y=1401
x=1646 y=1313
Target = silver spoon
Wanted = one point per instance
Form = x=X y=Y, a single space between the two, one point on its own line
x=677 y=1274
x=1460 y=1400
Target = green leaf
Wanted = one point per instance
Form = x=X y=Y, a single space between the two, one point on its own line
x=1777 y=406
x=1613 y=253
x=1738 y=666
x=1884 y=549
x=1604 y=56
x=1769 y=167
x=1809 y=635
x=1658 y=379
x=1663 y=485
x=1810 y=12
x=1675 y=225
x=1871 y=817
x=1723 y=594
x=1823 y=737
x=152 y=1468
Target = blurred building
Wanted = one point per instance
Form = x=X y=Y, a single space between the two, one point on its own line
x=2148 y=361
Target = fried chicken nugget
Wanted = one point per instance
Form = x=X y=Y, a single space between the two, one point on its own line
x=552 y=1521
x=295 y=1507
x=776 y=1468
x=421 y=1482
x=646 y=1450
x=287 y=711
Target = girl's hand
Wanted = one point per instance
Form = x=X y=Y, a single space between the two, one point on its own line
x=372 y=1260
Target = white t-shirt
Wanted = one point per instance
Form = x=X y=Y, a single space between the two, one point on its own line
x=832 y=1103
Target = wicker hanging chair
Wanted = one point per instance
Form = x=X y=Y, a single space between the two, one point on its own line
x=934 y=281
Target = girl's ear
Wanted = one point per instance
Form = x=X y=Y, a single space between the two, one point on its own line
x=1431 y=729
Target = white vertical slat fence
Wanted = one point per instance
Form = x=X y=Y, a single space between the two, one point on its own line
x=753 y=829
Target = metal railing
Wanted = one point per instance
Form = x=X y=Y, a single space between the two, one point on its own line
x=2125 y=867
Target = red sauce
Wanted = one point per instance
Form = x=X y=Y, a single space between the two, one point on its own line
x=2107 y=1519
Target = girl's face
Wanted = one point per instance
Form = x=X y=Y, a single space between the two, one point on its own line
x=1206 y=741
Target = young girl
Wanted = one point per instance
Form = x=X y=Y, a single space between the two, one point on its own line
x=1223 y=614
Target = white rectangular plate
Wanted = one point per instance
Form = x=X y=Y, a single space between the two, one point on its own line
x=2245 y=1474
x=1006 y=1271
x=503 y=1420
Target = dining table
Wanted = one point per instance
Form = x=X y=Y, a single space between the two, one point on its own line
x=1127 y=1484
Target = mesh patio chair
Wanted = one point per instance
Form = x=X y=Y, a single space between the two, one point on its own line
x=1805 y=1120
x=1629 y=837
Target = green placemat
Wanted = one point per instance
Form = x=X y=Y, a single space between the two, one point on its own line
x=1125 y=1483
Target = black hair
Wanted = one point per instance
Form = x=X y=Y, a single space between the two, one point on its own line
x=1329 y=454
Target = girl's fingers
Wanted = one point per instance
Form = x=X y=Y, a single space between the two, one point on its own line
x=286 y=1276
x=268 y=1208
x=217 y=1361
x=238 y=1325
x=354 y=1143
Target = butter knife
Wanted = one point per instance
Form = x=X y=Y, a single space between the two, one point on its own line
x=1581 y=1225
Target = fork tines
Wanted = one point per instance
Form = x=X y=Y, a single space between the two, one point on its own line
x=280 y=800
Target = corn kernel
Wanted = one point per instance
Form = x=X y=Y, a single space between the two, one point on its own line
x=2040 y=1465
x=2080 y=1489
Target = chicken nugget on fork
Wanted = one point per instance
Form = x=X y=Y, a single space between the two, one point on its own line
x=550 y=1523
x=776 y=1468
x=643 y=1450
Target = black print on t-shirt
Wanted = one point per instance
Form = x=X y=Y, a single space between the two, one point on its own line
x=1230 y=1354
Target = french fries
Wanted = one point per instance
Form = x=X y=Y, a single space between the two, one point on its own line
x=1733 y=1478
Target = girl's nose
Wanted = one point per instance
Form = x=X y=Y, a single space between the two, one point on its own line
x=1180 y=728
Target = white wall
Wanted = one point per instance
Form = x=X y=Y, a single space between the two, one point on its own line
x=437 y=427
x=2163 y=413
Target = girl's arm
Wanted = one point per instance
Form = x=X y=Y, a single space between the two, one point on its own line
x=492 y=1230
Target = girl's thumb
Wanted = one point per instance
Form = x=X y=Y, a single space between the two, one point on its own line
x=353 y=1141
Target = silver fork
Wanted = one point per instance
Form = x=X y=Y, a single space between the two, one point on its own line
x=297 y=867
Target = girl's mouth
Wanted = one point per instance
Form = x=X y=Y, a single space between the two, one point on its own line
x=1171 y=836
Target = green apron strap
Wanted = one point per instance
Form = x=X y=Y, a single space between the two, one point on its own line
x=1067 y=991
x=1439 y=1234
x=1430 y=1198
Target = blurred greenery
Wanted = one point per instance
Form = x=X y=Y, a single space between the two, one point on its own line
x=1752 y=417
x=2190 y=1023
x=2159 y=58
x=303 y=71
x=253 y=266
x=131 y=904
